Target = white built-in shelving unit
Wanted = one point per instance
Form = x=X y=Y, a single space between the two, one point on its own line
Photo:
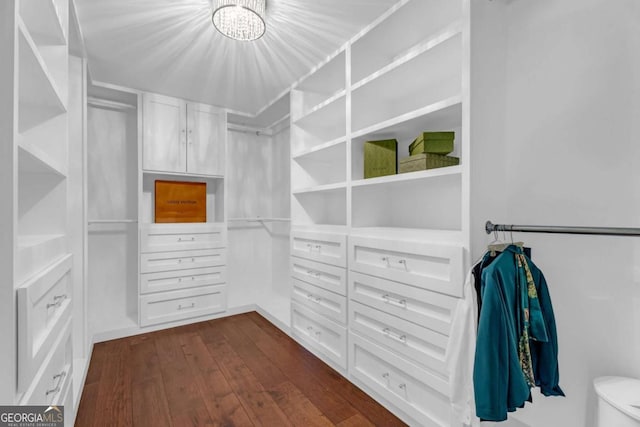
x=372 y=259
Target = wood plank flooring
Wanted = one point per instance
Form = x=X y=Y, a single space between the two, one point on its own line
x=236 y=371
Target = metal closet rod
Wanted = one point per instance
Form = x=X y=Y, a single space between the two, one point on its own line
x=601 y=231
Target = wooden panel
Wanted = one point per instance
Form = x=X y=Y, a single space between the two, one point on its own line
x=206 y=136
x=326 y=339
x=49 y=386
x=433 y=267
x=182 y=279
x=423 y=346
x=180 y=201
x=326 y=276
x=327 y=303
x=184 y=304
x=421 y=395
x=164 y=139
x=181 y=260
x=329 y=248
x=430 y=309
x=44 y=304
x=182 y=237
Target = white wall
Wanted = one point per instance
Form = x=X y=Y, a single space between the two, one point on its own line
x=112 y=194
x=281 y=199
x=249 y=187
x=566 y=121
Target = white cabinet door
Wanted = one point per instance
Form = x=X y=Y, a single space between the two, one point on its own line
x=206 y=135
x=164 y=139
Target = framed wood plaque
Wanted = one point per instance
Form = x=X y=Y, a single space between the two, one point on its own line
x=180 y=201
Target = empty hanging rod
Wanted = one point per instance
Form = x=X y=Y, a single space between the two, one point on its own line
x=603 y=231
x=112 y=221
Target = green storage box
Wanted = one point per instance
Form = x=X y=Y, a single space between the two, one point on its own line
x=425 y=161
x=380 y=158
x=432 y=142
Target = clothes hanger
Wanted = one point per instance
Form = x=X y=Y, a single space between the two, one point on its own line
x=497 y=246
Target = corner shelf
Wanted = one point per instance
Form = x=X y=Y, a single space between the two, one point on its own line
x=43 y=22
x=40 y=97
x=33 y=161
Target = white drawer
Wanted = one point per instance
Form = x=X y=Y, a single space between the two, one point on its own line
x=324 y=302
x=182 y=237
x=434 y=267
x=426 y=308
x=55 y=376
x=181 y=260
x=326 y=276
x=44 y=304
x=67 y=402
x=420 y=394
x=176 y=305
x=423 y=346
x=322 y=337
x=329 y=248
x=182 y=279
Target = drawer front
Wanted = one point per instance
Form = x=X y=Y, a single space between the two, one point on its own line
x=54 y=376
x=324 y=338
x=329 y=248
x=326 y=276
x=420 y=394
x=426 y=308
x=182 y=237
x=182 y=260
x=324 y=302
x=434 y=267
x=182 y=279
x=423 y=346
x=176 y=305
x=44 y=304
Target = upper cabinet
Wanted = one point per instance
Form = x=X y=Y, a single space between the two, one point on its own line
x=182 y=137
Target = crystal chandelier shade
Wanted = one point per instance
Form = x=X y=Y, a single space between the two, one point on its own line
x=240 y=19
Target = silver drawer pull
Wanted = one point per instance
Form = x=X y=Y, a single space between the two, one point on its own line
x=402 y=386
x=402 y=261
x=57 y=301
x=193 y=239
x=318 y=247
x=309 y=296
x=180 y=261
x=58 y=377
x=317 y=300
x=385 y=375
x=310 y=272
x=193 y=260
x=309 y=328
x=181 y=307
x=398 y=303
x=400 y=338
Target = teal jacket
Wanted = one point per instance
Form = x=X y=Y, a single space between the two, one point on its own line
x=500 y=384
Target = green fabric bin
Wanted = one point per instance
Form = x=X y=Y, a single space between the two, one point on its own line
x=432 y=142
x=425 y=161
x=380 y=158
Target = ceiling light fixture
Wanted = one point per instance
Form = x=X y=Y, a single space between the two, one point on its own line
x=240 y=19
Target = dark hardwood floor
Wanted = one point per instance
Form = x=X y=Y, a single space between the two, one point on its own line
x=236 y=371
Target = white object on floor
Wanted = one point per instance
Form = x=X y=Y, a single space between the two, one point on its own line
x=617 y=401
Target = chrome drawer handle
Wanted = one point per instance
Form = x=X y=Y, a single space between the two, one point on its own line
x=385 y=375
x=181 y=307
x=57 y=301
x=309 y=328
x=402 y=386
x=58 y=377
x=398 y=303
x=400 y=338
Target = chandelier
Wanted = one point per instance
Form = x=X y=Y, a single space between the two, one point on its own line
x=240 y=19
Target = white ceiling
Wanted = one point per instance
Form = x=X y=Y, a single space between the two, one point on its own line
x=171 y=47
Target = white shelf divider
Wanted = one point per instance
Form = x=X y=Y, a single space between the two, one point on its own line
x=324 y=111
x=320 y=188
x=409 y=176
